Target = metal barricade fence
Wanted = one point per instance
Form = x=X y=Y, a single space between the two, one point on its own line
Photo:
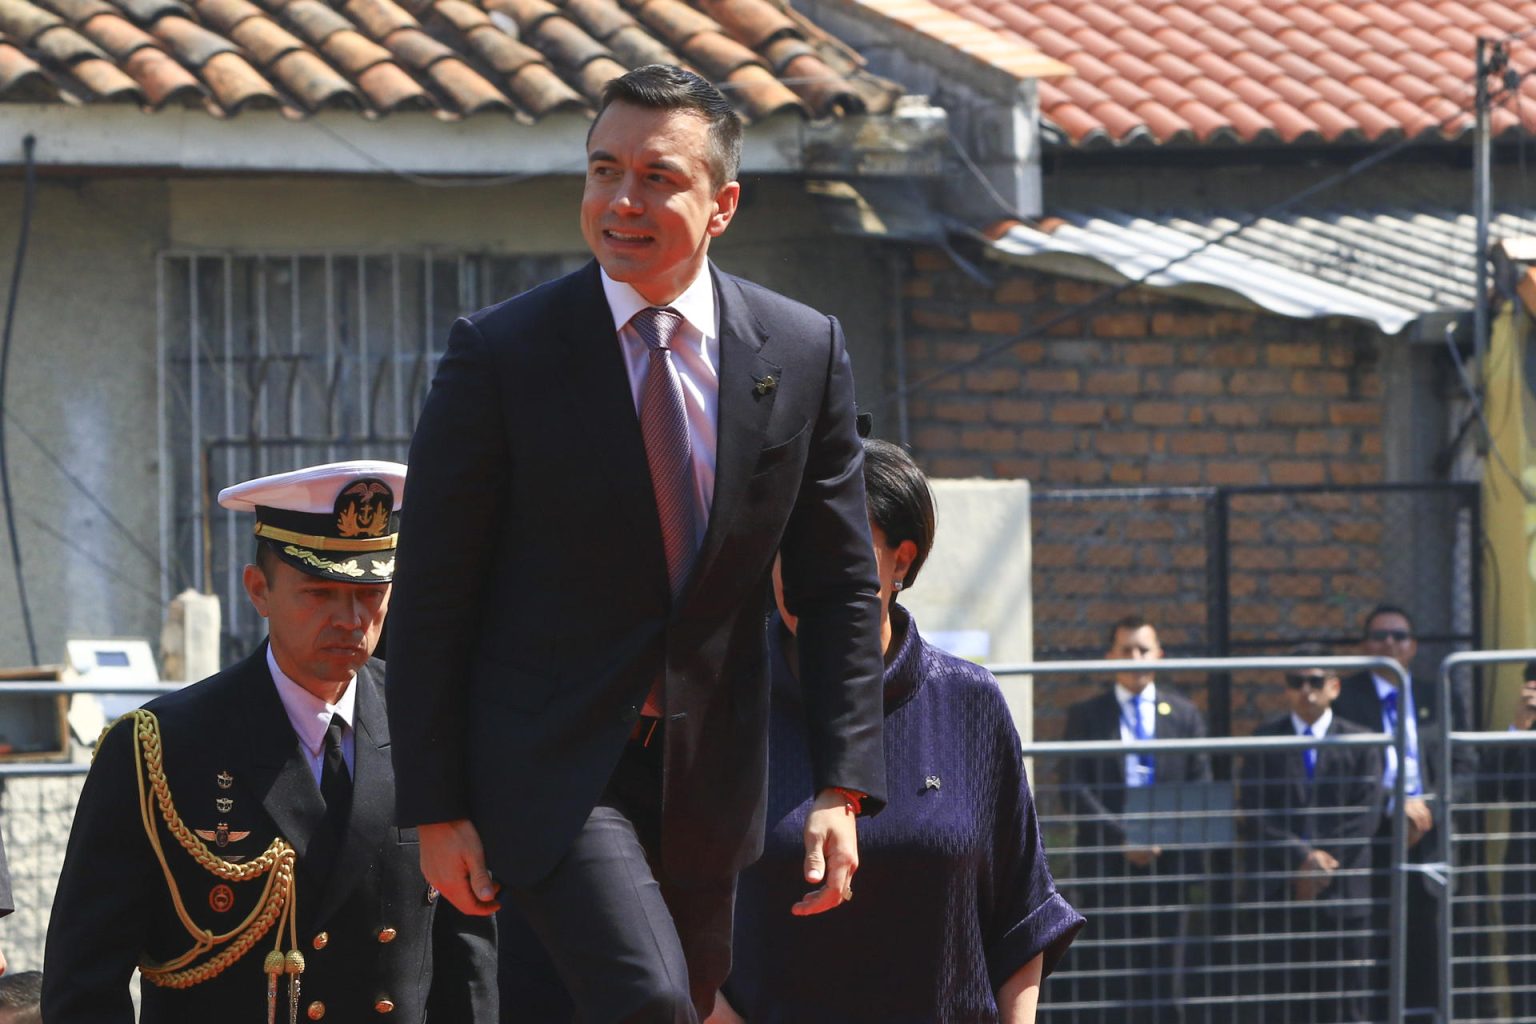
x=1199 y=906
x=1487 y=885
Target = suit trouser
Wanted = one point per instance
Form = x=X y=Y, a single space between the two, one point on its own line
x=627 y=947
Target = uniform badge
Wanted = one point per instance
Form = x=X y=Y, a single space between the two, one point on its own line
x=221 y=898
x=221 y=836
x=225 y=780
x=224 y=804
x=763 y=385
x=362 y=510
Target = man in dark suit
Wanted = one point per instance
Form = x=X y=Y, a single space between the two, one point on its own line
x=602 y=474
x=1133 y=885
x=1312 y=815
x=235 y=839
x=1374 y=701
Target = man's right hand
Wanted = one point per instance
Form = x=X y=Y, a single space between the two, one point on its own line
x=453 y=861
x=1420 y=819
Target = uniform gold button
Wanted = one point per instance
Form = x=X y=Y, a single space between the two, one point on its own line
x=385 y=1005
x=316 y=1010
x=322 y=940
x=387 y=934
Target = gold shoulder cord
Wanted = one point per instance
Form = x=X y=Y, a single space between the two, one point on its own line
x=278 y=901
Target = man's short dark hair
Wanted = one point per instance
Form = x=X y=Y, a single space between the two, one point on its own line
x=1129 y=623
x=267 y=559
x=668 y=87
x=900 y=501
x=1386 y=609
x=21 y=996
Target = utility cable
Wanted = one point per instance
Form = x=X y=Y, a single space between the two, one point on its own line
x=28 y=199
x=1104 y=298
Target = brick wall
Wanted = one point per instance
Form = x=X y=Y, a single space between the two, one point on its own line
x=1155 y=391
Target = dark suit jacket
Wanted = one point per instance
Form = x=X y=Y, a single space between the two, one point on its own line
x=531 y=610
x=1096 y=785
x=113 y=906
x=1359 y=703
x=1337 y=810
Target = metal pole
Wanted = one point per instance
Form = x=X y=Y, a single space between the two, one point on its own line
x=1481 y=201
x=1447 y=891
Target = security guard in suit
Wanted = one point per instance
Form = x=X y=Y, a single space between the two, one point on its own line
x=235 y=840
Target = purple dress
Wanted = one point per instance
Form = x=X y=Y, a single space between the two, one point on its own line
x=954 y=894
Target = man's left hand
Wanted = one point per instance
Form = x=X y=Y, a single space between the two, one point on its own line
x=831 y=853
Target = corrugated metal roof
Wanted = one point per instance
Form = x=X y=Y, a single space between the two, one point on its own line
x=1389 y=266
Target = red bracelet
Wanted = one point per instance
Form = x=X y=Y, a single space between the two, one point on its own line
x=853 y=798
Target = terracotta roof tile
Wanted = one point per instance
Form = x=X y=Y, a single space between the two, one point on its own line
x=457 y=57
x=390 y=89
x=313 y=81
x=1296 y=70
x=235 y=84
x=21 y=78
x=163 y=80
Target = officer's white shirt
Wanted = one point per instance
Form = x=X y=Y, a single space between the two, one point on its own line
x=1318 y=728
x=696 y=361
x=1135 y=771
x=310 y=717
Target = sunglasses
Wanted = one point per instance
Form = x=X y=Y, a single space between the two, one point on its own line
x=1400 y=636
x=1296 y=680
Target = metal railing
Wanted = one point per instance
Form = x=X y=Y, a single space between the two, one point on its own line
x=1395 y=912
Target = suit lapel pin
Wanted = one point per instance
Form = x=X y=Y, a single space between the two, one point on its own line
x=1164 y=708
x=225 y=780
x=932 y=782
x=764 y=385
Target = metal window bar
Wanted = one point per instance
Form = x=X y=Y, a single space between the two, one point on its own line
x=1171 y=979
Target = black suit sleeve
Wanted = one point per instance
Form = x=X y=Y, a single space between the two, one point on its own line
x=100 y=919
x=831 y=583
x=464 y=988
x=1086 y=776
x=459 y=470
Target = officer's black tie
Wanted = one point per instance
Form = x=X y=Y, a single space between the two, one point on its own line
x=335 y=780
x=336 y=791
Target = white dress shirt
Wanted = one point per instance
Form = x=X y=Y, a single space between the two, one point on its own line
x=1318 y=728
x=696 y=361
x=1135 y=771
x=1413 y=784
x=310 y=717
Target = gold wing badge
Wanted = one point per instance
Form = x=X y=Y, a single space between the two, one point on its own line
x=221 y=836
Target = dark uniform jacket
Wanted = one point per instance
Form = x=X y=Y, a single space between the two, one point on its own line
x=376 y=944
x=531 y=610
x=1337 y=810
x=1359 y=703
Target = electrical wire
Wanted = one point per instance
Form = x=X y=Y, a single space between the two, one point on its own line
x=1103 y=298
x=28 y=200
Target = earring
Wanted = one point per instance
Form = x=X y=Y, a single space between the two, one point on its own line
x=896 y=584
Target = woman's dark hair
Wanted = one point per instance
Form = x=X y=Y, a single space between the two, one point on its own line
x=665 y=87
x=899 y=500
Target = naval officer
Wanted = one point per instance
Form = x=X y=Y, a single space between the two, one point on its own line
x=235 y=841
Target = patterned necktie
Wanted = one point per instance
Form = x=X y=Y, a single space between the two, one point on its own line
x=1389 y=705
x=664 y=426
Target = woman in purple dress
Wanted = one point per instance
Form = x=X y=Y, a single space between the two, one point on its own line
x=957 y=917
